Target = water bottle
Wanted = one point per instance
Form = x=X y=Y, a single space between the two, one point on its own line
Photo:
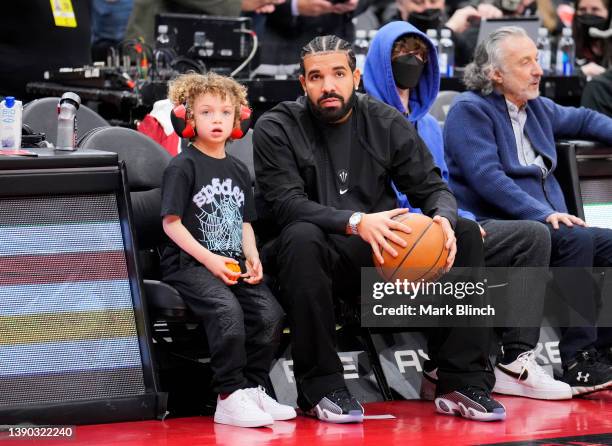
x=163 y=39
x=361 y=47
x=10 y=123
x=66 y=121
x=544 y=51
x=446 y=54
x=566 y=54
x=432 y=35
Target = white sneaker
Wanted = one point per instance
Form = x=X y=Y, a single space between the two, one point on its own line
x=269 y=405
x=525 y=377
x=240 y=410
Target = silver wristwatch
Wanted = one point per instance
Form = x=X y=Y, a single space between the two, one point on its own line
x=353 y=223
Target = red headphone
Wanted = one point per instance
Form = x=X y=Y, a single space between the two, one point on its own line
x=178 y=116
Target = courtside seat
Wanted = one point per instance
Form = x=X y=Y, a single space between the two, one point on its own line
x=145 y=162
x=567 y=176
x=41 y=116
x=441 y=105
x=243 y=150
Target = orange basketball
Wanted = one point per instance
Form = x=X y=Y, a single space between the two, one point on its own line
x=233 y=267
x=424 y=256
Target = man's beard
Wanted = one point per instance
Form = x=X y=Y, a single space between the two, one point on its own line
x=329 y=115
x=533 y=94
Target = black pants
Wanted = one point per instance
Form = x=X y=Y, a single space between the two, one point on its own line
x=581 y=247
x=313 y=266
x=513 y=244
x=242 y=323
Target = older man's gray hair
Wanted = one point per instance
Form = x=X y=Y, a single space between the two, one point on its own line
x=488 y=57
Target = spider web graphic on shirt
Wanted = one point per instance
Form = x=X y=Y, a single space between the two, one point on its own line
x=221 y=227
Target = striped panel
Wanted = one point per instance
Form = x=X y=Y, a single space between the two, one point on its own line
x=69 y=386
x=67 y=323
x=596 y=190
x=70 y=267
x=57 y=239
x=64 y=297
x=57 y=210
x=70 y=356
x=54 y=327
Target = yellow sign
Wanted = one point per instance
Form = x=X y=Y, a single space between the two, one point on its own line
x=63 y=13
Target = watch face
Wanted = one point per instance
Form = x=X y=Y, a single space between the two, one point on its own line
x=355 y=219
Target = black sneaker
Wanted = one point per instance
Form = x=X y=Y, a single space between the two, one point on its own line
x=587 y=373
x=338 y=406
x=471 y=403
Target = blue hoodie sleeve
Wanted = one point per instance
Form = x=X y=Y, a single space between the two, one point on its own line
x=466 y=214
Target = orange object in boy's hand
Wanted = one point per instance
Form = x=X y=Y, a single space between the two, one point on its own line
x=233 y=267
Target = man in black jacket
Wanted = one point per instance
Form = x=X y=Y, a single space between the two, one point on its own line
x=324 y=166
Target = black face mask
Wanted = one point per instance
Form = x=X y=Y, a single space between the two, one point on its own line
x=330 y=116
x=428 y=19
x=586 y=21
x=407 y=71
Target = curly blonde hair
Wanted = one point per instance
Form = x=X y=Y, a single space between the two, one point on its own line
x=187 y=87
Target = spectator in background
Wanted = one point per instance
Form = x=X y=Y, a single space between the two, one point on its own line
x=430 y=14
x=142 y=20
x=109 y=19
x=38 y=35
x=597 y=94
x=296 y=22
x=592 y=54
x=544 y=9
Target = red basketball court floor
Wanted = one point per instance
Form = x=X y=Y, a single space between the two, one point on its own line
x=578 y=422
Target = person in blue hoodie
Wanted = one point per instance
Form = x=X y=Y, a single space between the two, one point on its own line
x=401 y=70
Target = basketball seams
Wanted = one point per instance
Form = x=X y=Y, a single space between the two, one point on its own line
x=438 y=258
x=414 y=244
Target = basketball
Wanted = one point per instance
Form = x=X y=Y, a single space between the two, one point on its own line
x=424 y=256
x=233 y=267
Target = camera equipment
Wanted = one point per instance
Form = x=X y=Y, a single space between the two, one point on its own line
x=221 y=43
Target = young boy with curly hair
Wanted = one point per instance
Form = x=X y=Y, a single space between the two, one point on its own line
x=207 y=207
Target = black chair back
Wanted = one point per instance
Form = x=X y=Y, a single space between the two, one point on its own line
x=567 y=175
x=145 y=161
x=41 y=116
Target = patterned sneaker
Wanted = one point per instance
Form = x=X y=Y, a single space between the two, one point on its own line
x=471 y=403
x=525 y=377
x=429 y=382
x=269 y=405
x=586 y=374
x=238 y=409
x=338 y=406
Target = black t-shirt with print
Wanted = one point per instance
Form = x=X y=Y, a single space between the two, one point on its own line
x=212 y=196
x=338 y=148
